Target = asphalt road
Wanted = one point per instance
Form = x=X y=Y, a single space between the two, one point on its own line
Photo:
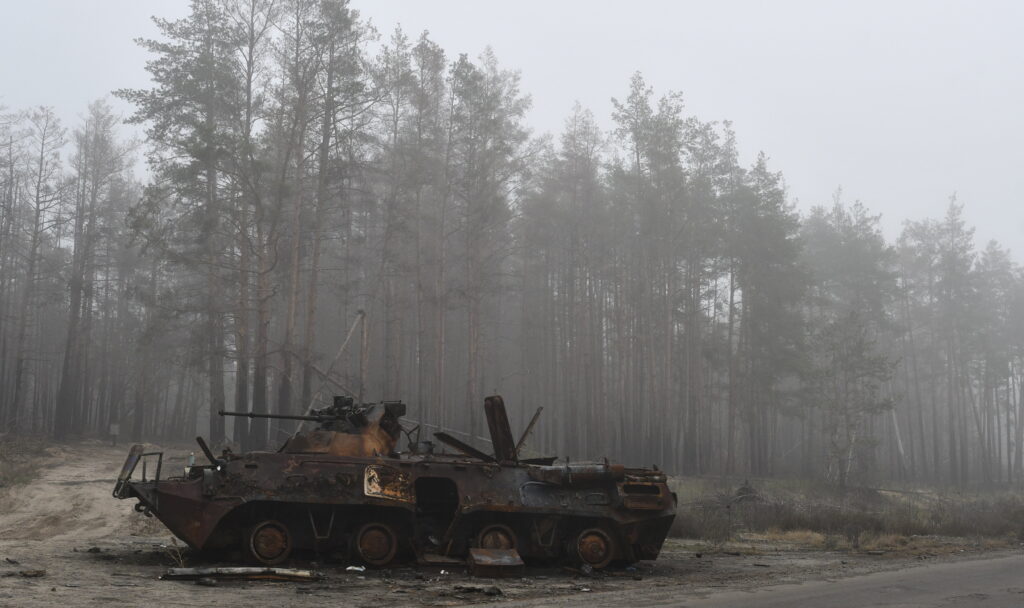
x=986 y=583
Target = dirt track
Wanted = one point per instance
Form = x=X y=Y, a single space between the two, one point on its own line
x=96 y=551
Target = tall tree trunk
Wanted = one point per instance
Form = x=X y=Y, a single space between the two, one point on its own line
x=242 y=338
x=25 y=316
x=214 y=318
x=323 y=173
x=258 y=429
x=67 y=394
x=730 y=438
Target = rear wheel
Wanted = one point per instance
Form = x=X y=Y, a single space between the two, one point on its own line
x=594 y=547
x=269 y=542
x=376 y=544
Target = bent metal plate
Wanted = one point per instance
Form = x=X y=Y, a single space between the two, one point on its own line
x=387 y=482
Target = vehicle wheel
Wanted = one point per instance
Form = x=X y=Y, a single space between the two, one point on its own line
x=270 y=542
x=376 y=544
x=497 y=536
x=594 y=547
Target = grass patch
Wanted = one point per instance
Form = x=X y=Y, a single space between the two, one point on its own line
x=796 y=538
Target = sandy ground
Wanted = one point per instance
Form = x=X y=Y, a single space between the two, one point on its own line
x=96 y=551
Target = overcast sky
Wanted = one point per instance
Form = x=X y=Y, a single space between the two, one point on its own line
x=900 y=103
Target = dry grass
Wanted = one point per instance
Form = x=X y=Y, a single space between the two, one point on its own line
x=898 y=545
x=805 y=515
x=883 y=542
x=800 y=539
x=176 y=552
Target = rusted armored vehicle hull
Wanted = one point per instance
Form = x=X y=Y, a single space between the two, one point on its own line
x=430 y=507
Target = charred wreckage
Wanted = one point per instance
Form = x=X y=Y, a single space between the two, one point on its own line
x=343 y=488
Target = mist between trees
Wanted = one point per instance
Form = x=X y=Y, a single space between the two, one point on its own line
x=312 y=181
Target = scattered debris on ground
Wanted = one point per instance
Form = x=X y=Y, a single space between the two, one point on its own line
x=495 y=563
x=242 y=573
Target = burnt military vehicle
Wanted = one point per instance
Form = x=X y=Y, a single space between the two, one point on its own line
x=343 y=487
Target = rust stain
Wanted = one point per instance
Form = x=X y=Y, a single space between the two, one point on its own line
x=387 y=482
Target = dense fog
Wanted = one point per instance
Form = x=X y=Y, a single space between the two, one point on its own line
x=328 y=209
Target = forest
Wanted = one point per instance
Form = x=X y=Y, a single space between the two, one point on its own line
x=319 y=208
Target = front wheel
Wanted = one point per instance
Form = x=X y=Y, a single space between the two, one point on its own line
x=593 y=547
x=269 y=542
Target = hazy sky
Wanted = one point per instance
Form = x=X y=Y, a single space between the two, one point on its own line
x=900 y=103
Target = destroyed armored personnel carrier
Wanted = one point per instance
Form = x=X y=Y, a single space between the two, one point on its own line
x=343 y=488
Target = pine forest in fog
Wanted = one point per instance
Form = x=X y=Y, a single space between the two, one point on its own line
x=327 y=209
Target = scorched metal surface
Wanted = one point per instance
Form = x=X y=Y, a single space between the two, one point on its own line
x=343 y=487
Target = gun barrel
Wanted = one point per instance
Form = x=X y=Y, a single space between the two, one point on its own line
x=277 y=416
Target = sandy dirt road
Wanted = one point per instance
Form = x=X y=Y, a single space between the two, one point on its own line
x=96 y=551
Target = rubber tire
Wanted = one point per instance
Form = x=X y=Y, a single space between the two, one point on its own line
x=585 y=550
x=253 y=541
x=377 y=561
x=503 y=529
